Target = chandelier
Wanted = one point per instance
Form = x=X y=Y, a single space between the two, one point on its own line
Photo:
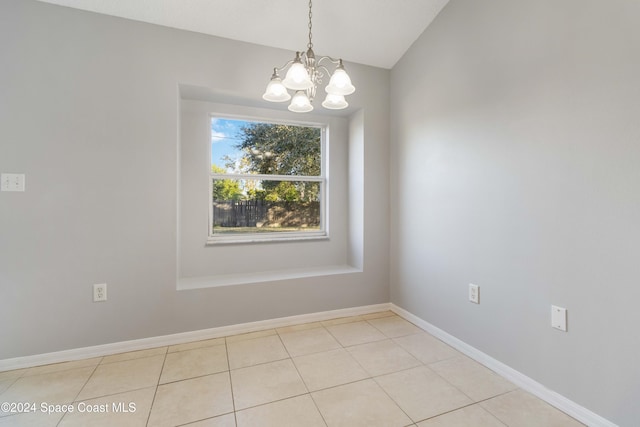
x=304 y=75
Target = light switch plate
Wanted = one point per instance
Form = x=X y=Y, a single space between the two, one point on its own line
x=559 y=318
x=12 y=182
x=474 y=293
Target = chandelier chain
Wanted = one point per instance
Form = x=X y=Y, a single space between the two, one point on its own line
x=310 y=44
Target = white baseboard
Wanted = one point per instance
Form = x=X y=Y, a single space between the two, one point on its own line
x=567 y=406
x=181 y=338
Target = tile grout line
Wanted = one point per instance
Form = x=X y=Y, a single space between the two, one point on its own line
x=190 y=378
x=300 y=375
x=259 y=364
x=75 y=399
x=457 y=409
x=195 y=348
x=233 y=398
x=463 y=407
x=155 y=393
x=103 y=363
x=392 y=399
x=12 y=382
x=489 y=411
x=460 y=390
x=294 y=364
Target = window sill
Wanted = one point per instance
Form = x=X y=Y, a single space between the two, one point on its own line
x=261 y=277
x=263 y=238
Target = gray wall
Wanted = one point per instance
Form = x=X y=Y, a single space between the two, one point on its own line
x=89 y=110
x=516 y=166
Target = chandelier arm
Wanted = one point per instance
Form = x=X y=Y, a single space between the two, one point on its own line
x=330 y=59
x=319 y=67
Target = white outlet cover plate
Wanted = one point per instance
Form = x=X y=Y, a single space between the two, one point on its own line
x=559 y=318
x=99 y=292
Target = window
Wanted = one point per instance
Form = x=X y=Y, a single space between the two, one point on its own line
x=267 y=181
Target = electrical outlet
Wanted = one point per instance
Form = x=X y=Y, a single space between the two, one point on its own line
x=100 y=292
x=474 y=293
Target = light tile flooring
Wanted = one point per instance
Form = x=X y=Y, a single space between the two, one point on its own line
x=372 y=370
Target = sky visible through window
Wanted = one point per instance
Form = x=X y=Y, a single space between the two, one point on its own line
x=225 y=135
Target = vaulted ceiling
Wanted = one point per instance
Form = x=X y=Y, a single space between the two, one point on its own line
x=372 y=32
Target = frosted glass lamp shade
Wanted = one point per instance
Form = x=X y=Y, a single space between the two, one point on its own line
x=276 y=92
x=340 y=83
x=335 y=102
x=297 y=77
x=300 y=103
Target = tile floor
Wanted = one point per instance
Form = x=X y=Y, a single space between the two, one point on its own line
x=372 y=370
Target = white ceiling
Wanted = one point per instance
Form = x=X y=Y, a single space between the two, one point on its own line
x=372 y=32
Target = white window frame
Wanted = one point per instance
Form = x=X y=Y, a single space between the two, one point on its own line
x=275 y=236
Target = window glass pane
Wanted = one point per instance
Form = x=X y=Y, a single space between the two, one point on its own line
x=246 y=147
x=225 y=137
x=255 y=206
